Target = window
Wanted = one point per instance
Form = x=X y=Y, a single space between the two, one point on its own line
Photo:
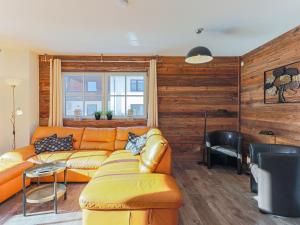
x=136 y=85
x=93 y=92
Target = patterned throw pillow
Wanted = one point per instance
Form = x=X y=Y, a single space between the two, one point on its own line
x=136 y=143
x=61 y=144
x=42 y=145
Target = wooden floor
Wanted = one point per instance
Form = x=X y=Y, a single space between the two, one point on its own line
x=211 y=197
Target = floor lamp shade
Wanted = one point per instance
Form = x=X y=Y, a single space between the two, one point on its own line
x=13 y=82
x=199 y=55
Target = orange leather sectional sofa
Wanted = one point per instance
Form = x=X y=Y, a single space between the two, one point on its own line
x=122 y=189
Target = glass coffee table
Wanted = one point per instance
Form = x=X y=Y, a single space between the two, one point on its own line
x=45 y=192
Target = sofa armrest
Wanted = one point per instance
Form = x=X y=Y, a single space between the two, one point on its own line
x=20 y=154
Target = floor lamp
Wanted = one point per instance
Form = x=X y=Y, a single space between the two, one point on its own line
x=13 y=83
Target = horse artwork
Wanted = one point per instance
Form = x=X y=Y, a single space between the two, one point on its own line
x=282 y=85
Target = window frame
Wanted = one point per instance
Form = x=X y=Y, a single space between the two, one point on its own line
x=105 y=94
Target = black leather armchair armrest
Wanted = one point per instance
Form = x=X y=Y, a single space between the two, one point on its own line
x=208 y=143
x=255 y=149
x=239 y=144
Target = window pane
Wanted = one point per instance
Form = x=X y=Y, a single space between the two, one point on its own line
x=116 y=85
x=93 y=84
x=73 y=84
x=117 y=105
x=71 y=104
x=135 y=85
x=92 y=103
x=91 y=107
x=136 y=103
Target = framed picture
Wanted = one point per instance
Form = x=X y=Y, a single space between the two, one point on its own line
x=282 y=85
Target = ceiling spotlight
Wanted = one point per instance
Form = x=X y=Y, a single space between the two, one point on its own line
x=123 y=3
x=133 y=39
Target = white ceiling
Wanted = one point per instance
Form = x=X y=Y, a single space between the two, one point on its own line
x=163 y=27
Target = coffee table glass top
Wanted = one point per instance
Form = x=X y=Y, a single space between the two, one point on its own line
x=46 y=169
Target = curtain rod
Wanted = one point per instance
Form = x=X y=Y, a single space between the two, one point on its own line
x=101 y=60
x=107 y=61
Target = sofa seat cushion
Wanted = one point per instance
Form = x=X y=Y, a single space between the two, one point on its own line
x=48 y=157
x=119 y=162
x=121 y=155
x=10 y=169
x=140 y=191
x=87 y=159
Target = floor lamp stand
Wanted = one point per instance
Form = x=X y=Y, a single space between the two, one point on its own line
x=13 y=117
x=204 y=141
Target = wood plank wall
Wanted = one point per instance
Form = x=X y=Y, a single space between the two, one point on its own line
x=184 y=93
x=282 y=119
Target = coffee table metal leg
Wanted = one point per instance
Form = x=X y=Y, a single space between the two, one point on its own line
x=55 y=193
x=24 y=194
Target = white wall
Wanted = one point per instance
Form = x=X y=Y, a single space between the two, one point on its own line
x=22 y=64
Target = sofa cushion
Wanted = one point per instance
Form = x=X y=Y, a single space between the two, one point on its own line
x=135 y=143
x=152 y=153
x=48 y=157
x=119 y=162
x=98 y=139
x=61 y=144
x=42 y=144
x=140 y=191
x=10 y=169
x=122 y=135
x=42 y=132
x=87 y=159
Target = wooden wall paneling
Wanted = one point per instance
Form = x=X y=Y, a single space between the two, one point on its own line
x=282 y=119
x=185 y=92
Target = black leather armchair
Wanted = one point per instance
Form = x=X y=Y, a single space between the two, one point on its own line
x=224 y=142
x=275 y=175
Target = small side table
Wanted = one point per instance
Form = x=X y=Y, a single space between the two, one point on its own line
x=46 y=192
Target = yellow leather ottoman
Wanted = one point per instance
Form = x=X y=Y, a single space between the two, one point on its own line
x=127 y=199
x=11 y=177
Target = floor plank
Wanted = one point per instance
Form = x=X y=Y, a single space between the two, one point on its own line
x=211 y=197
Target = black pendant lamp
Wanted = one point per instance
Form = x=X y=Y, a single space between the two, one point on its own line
x=199 y=54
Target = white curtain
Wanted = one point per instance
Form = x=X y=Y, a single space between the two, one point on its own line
x=56 y=107
x=152 y=96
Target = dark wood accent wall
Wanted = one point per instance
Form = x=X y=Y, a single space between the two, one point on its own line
x=282 y=119
x=185 y=92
